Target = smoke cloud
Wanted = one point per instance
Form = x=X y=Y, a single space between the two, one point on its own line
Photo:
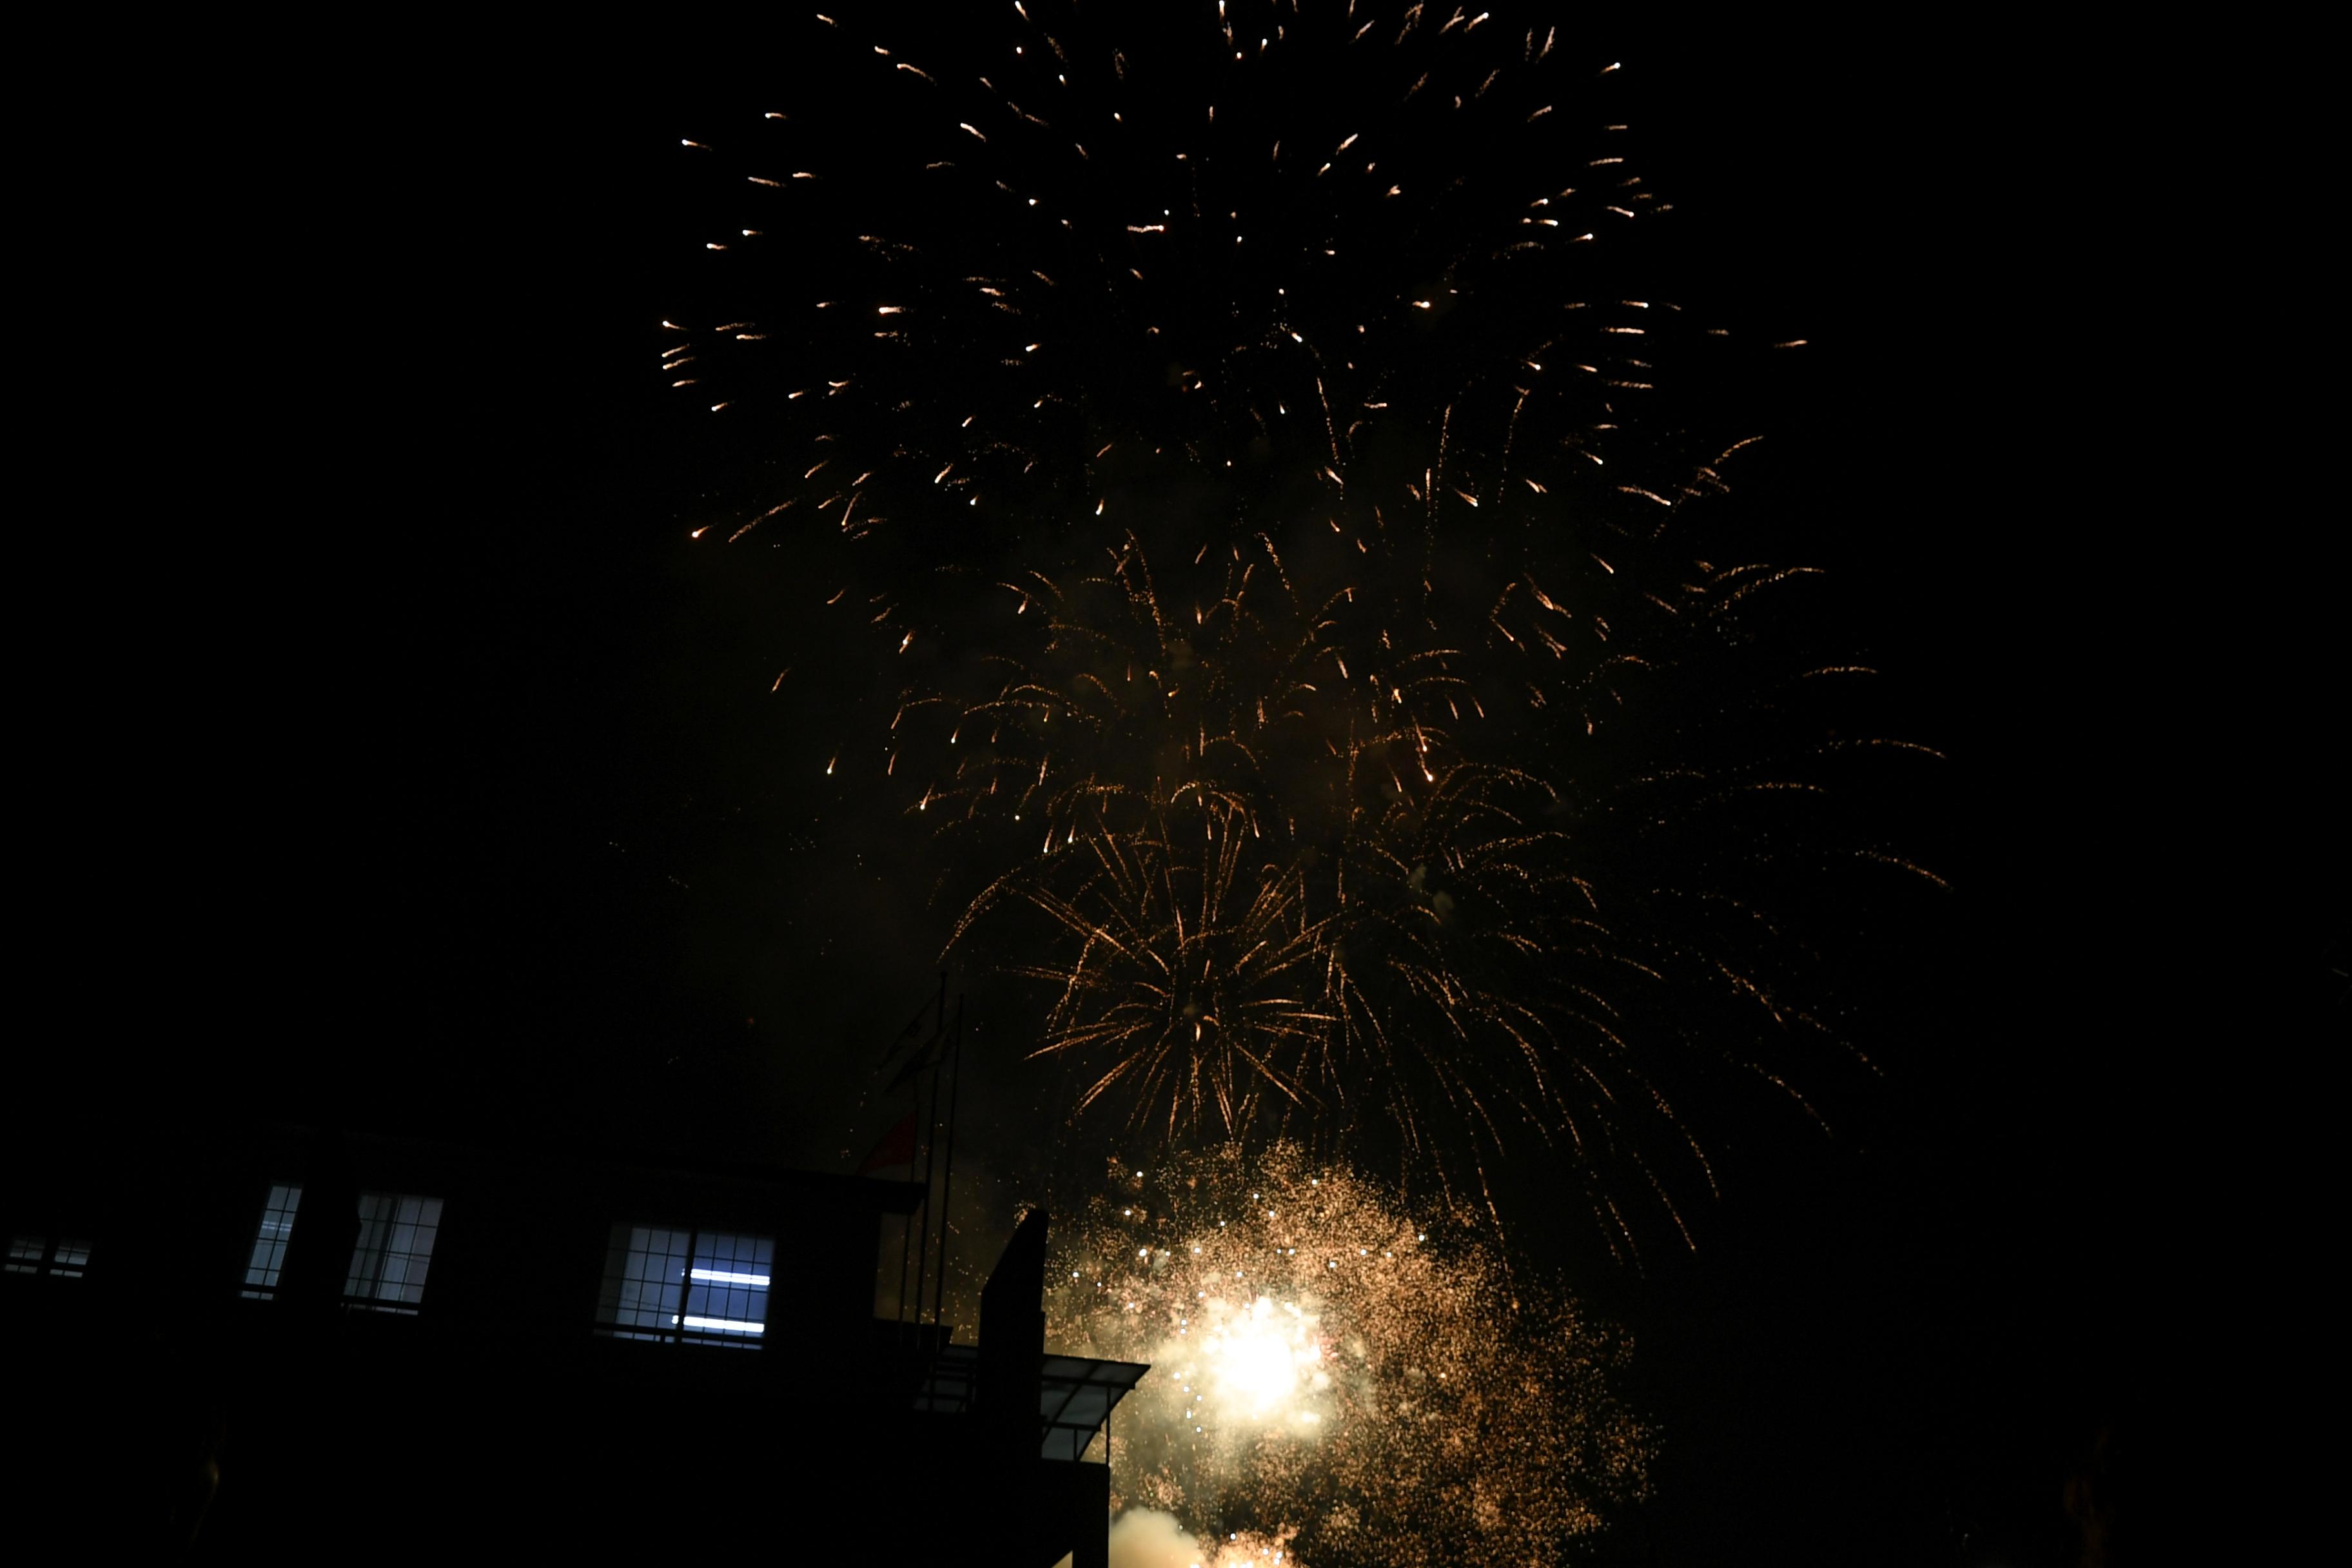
x=1147 y=1537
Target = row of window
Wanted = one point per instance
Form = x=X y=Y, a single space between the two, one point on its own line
x=47 y=1255
x=388 y=1263
x=660 y=1283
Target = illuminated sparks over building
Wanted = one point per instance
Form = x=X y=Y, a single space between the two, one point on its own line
x=1237 y=522
x=1359 y=1382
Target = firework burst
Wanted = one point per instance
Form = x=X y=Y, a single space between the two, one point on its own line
x=1234 y=441
x=1336 y=1374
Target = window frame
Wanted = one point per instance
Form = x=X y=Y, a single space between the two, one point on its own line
x=656 y=1275
x=394 y=1255
x=265 y=1263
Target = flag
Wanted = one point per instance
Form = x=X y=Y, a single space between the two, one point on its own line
x=896 y=1148
x=928 y=1046
x=926 y=1056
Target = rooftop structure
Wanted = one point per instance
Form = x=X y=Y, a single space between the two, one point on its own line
x=332 y=1343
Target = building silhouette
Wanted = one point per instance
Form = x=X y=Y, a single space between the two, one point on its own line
x=346 y=1345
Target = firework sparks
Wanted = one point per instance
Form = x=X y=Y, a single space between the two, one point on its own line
x=1336 y=1376
x=1234 y=447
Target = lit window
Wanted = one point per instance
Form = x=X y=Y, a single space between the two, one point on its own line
x=642 y=1275
x=269 y=1243
x=34 y=1255
x=682 y=1285
x=396 y=1231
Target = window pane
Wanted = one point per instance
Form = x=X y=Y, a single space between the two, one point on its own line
x=644 y=1269
x=396 y=1248
x=729 y=1290
x=668 y=1283
x=268 y=1260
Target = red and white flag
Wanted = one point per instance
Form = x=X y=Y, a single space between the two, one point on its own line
x=896 y=1148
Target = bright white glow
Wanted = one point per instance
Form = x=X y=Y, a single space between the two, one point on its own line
x=1262 y=1358
x=723 y=1325
x=719 y=1277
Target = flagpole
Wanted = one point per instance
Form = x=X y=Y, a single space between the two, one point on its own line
x=906 y=1241
x=930 y=1150
x=946 y=1181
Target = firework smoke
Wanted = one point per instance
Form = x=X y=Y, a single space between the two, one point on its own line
x=1147 y=1537
x=1336 y=1377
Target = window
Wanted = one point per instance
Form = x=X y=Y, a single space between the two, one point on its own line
x=34 y=1255
x=686 y=1286
x=269 y=1258
x=396 y=1231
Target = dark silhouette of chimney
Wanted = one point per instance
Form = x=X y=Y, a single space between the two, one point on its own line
x=326 y=1231
x=1013 y=1341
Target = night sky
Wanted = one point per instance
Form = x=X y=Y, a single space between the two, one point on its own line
x=452 y=798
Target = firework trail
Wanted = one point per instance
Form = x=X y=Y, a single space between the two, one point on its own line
x=1336 y=1377
x=1220 y=456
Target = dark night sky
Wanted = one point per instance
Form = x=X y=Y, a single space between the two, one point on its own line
x=441 y=792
